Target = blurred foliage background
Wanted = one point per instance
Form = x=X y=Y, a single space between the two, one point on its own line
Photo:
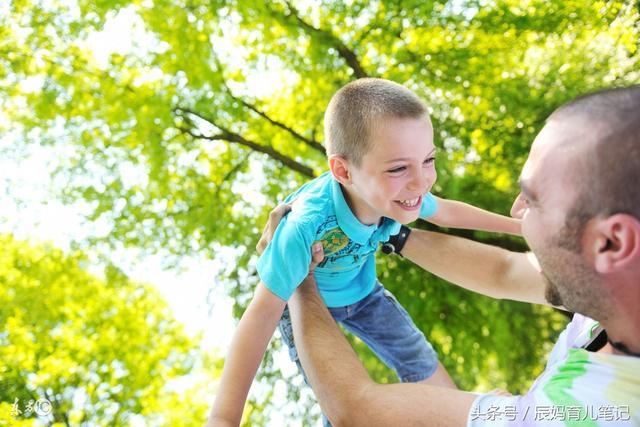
x=180 y=143
x=100 y=350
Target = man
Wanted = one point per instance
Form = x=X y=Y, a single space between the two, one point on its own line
x=580 y=210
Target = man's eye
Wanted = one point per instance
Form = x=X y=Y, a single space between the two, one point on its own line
x=430 y=160
x=396 y=170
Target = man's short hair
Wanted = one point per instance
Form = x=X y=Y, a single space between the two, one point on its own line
x=355 y=109
x=608 y=177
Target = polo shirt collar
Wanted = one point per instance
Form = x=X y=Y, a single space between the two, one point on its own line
x=348 y=222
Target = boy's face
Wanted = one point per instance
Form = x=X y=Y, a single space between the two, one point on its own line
x=396 y=173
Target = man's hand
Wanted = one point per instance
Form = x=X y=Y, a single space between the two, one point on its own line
x=275 y=216
x=309 y=288
x=317 y=255
x=217 y=422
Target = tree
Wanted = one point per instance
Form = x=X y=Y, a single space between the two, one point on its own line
x=183 y=142
x=101 y=351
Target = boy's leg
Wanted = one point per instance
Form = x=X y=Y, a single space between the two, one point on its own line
x=386 y=327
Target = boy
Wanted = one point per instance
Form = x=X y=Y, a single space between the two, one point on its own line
x=379 y=142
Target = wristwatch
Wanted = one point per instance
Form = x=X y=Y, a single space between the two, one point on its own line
x=397 y=241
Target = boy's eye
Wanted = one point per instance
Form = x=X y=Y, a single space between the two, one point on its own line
x=398 y=169
x=429 y=160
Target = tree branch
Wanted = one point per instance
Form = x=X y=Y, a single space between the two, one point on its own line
x=227 y=135
x=310 y=142
x=59 y=416
x=231 y=172
x=347 y=54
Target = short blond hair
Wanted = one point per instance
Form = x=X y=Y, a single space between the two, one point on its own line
x=355 y=108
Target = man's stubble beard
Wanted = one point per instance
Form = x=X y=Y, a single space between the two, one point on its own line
x=571 y=281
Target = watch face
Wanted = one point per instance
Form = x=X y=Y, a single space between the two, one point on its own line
x=387 y=248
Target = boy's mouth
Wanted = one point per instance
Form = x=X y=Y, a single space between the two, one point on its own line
x=410 y=204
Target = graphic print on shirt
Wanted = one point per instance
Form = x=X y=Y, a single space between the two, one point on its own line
x=333 y=241
x=340 y=252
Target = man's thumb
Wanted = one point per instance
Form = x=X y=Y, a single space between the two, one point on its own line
x=317 y=255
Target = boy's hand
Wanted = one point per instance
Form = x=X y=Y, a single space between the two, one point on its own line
x=275 y=216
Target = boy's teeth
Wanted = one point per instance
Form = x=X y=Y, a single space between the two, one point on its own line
x=411 y=202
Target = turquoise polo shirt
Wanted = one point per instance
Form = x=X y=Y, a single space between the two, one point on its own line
x=348 y=272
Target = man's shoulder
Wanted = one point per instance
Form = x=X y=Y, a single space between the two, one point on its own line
x=582 y=374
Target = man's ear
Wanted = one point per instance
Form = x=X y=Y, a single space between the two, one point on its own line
x=340 y=168
x=617 y=243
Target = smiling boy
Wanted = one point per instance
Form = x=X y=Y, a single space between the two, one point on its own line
x=379 y=141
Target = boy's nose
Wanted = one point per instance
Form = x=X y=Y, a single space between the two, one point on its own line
x=421 y=180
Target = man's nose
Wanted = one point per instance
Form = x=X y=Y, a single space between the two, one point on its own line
x=518 y=207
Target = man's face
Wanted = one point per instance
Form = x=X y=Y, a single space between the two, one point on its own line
x=549 y=189
x=396 y=173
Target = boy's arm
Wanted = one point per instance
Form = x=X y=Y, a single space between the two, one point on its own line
x=481 y=268
x=454 y=214
x=245 y=353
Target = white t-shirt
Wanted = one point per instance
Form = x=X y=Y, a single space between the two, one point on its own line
x=577 y=388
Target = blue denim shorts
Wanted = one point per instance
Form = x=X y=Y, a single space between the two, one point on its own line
x=385 y=326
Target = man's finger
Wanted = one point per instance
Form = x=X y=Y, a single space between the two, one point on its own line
x=278 y=212
x=317 y=255
x=275 y=216
x=264 y=239
x=500 y=392
x=260 y=246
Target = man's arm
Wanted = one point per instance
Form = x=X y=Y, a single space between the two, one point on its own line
x=345 y=391
x=454 y=214
x=247 y=348
x=481 y=268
